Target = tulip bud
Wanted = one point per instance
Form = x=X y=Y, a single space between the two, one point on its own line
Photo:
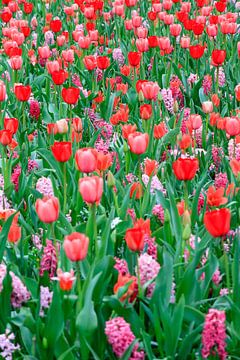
x=45 y=343
x=175 y=107
x=186 y=232
x=186 y=218
x=140 y=96
x=125 y=147
x=110 y=179
x=166 y=216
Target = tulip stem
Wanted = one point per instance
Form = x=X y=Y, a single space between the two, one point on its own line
x=185 y=195
x=226 y=266
x=140 y=290
x=54 y=238
x=79 y=300
x=64 y=186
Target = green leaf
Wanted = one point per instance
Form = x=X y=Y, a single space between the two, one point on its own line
x=4 y=235
x=55 y=319
x=5 y=302
x=129 y=350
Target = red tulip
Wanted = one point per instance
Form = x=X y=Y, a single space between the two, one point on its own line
x=159 y=130
x=47 y=209
x=138 y=142
x=14 y=233
x=55 y=25
x=91 y=189
x=217 y=222
x=70 y=95
x=134 y=58
x=218 y=57
x=59 y=77
x=103 y=62
x=5 y=137
x=136 y=191
x=62 y=150
x=185 y=168
x=11 y=124
x=76 y=246
x=196 y=51
x=3 y=91
x=215 y=196
x=135 y=239
x=145 y=111
x=132 y=289
x=22 y=92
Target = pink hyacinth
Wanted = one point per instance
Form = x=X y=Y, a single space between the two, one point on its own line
x=34 y=109
x=221 y=180
x=20 y=293
x=158 y=211
x=44 y=186
x=120 y=337
x=45 y=299
x=233 y=150
x=151 y=246
x=207 y=84
x=214 y=334
x=7 y=346
x=148 y=269
x=49 y=260
x=168 y=99
x=121 y=266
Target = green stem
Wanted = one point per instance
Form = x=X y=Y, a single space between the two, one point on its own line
x=226 y=266
x=64 y=187
x=79 y=292
x=185 y=195
x=54 y=238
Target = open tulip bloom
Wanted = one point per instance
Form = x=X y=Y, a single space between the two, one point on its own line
x=119 y=179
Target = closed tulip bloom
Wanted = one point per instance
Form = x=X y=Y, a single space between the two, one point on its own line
x=185 y=42
x=59 y=77
x=22 y=92
x=207 y=107
x=77 y=124
x=3 y=92
x=237 y=92
x=14 y=234
x=134 y=58
x=70 y=95
x=232 y=126
x=90 y=62
x=131 y=291
x=62 y=126
x=103 y=62
x=76 y=246
x=175 y=29
x=52 y=66
x=196 y=51
x=159 y=130
x=91 y=189
x=218 y=57
x=164 y=43
x=138 y=142
x=212 y=30
x=235 y=166
x=135 y=239
x=185 y=168
x=44 y=52
x=146 y=111
x=62 y=150
x=5 y=137
x=217 y=222
x=47 y=209
x=150 y=90
x=86 y=160
x=195 y=121
x=11 y=124
x=55 y=25
x=16 y=62
x=104 y=161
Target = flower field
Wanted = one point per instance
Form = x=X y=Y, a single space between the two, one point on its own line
x=119 y=179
